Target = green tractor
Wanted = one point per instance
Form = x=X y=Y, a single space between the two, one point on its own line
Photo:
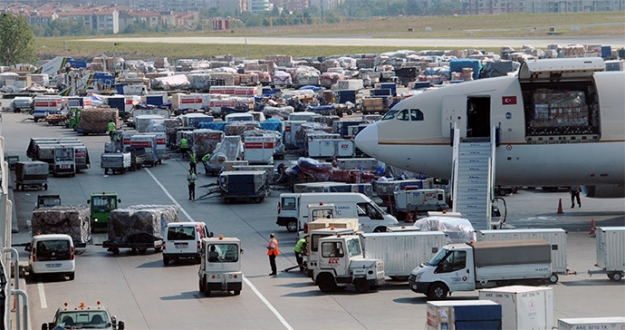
x=101 y=205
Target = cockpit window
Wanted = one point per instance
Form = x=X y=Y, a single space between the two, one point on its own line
x=416 y=115
x=390 y=115
x=403 y=115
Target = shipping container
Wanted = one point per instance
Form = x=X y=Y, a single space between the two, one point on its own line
x=463 y=314
x=587 y=323
x=610 y=252
x=523 y=307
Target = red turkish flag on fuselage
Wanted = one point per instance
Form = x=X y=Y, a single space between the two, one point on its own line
x=508 y=100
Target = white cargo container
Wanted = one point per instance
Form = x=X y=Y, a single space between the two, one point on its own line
x=330 y=148
x=402 y=251
x=555 y=236
x=290 y=131
x=303 y=116
x=143 y=121
x=259 y=149
x=523 y=307
x=349 y=84
x=367 y=164
x=452 y=314
x=186 y=101
x=587 y=323
x=610 y=252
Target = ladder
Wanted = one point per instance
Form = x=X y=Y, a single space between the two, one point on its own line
x=473 y=174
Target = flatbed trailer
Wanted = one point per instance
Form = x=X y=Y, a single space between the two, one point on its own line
x=139 y=243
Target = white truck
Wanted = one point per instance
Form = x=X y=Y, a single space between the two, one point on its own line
x=419 y=200
x=64 y=160
x=467 y=267
x=293 y=210
x=220 y=266
x=116 y=162
x=342 y=263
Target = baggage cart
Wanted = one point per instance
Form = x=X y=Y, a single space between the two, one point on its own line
x=31 y=174
x=116 y=162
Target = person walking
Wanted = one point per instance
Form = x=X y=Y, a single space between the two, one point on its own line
x=192 y=161
x=111 y=128
x=300 y=250
x=575 y=190
x=273 y=252
x=184 y=146
x=191 y=177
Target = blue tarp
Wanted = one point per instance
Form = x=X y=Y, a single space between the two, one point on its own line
x=217 y=126
x=458 y=65
x=272 y=124
x=311 y=87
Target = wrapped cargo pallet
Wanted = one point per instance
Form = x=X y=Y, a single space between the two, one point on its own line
x=205 y=141
x=230 y=148
x=139 y=224
x=239 y=127
x=72 y=220
x=95 y=120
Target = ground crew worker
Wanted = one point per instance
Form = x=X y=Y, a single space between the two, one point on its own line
x=191 y=177
x=273 y=252
x=300 y=250
x=184 y=146
x=111 y=128
x=192 y=161
x=205 y=160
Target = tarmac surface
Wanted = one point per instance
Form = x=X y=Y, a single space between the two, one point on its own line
x=146 y=295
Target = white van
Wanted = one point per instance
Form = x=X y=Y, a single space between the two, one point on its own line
x=51 y=254
x=293 y=210
x=183 y=240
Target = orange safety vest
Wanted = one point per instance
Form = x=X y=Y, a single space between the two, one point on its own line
x=272 y=247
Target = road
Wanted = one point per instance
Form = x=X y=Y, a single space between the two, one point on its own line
x=469 y=42
x=146 y=295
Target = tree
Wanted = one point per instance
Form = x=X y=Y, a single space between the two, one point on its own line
x=16 y=40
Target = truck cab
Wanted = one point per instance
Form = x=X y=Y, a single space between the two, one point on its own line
x=101 y=205
x=220 y=265
x=342 y=263
x=83 y=317
x=64 y=161
x=48 y=201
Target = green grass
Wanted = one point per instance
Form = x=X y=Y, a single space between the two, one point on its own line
x=484 y=26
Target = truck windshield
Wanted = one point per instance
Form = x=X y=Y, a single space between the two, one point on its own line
x=64 y=154
x=103 y=204
x=440 y=256
x=353 y=247
x=223 y=253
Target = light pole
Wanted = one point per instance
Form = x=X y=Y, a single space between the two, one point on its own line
x=245 y=38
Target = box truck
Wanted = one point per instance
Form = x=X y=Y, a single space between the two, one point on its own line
x=610 y=252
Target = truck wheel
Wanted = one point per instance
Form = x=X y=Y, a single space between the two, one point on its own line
x=35 y=119
x=237 y=292
x=615 y=276
x=437 y=291
x=142 y=251
x=292 y=226
x=115 y=251
x=553 y=279
x=71 y=276
x=258 y=200
x=201 y=285
x=166 y=261
x=380 y=230
x=326 y=283
x=106 y=171
x=361 y=285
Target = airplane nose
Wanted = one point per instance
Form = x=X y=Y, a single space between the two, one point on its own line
x=367 y=140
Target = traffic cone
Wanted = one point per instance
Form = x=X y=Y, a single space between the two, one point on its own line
x=593 y=230
x=408 y=215
x=560 y=207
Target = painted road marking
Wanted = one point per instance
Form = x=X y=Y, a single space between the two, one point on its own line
x=260 y=295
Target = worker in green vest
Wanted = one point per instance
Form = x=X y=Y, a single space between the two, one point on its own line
x=205 y=160
x=111 y=128
x=300 y=250
x=192 y=161
x=184 y=146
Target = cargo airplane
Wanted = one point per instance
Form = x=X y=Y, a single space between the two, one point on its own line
x=559 y=122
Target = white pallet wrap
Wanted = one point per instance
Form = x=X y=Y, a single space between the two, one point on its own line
x=72 y=220
x=523 y=307
x=556 y=237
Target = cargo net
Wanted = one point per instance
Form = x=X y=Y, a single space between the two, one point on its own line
x=72 y=220
x=555 y=112
x=140 y=223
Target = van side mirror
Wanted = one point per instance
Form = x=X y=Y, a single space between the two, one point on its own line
x=27 y=247
x=119 y=200
x=211 y=234
x=241 y=251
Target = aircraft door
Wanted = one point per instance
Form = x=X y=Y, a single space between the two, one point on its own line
x=454 y=111
x=478 y=117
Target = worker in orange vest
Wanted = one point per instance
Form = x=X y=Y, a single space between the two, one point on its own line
x=272 y=252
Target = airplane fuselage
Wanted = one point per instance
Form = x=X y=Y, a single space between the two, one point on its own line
x=578 y=139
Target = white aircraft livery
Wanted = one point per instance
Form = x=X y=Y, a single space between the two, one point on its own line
x=559 y=122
